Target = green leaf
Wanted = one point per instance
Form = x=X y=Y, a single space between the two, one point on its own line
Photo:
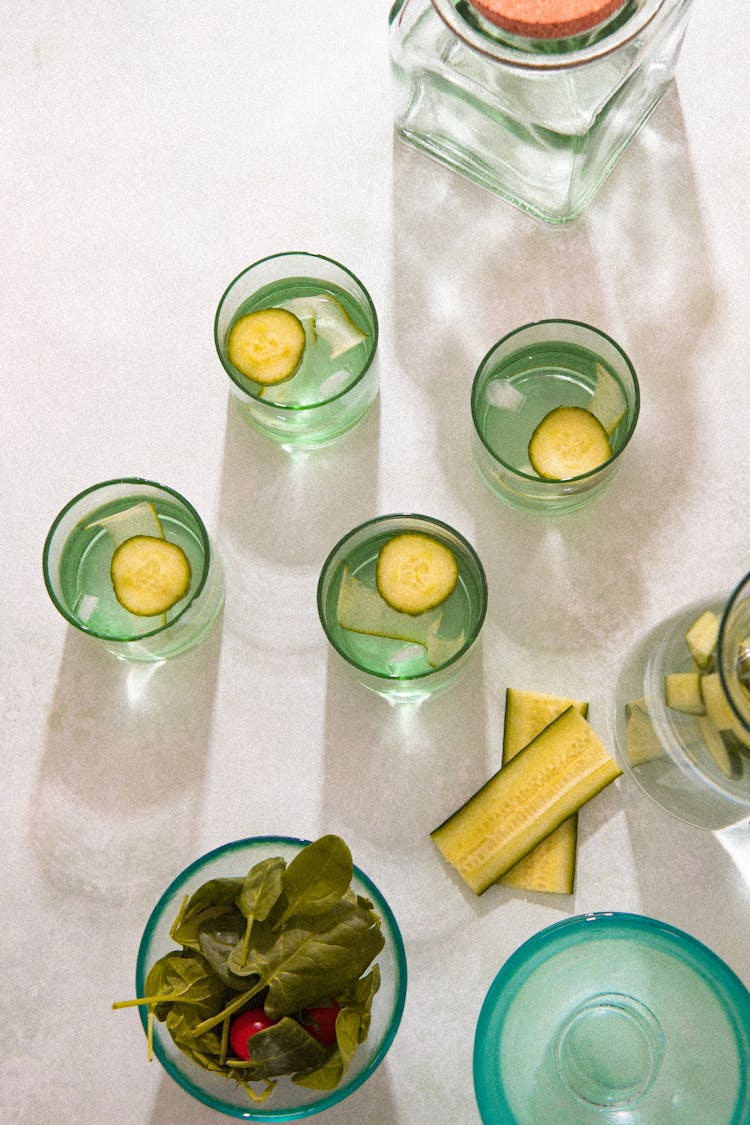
x=317 y=877
x=306 y=964
x=280 y=1049
x=211 y=900
x=260 y=892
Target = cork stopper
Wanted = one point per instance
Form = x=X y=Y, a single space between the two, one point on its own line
x=547 y=19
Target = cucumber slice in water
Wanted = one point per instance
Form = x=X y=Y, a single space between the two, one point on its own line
x=267 y=345
x=139 y=519
x=544 y=784
x=608 y=401
x=568 y=442
x=149 y=575
x=361 y=610
x=415 y=573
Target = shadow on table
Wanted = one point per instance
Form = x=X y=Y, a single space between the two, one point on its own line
x=117 y=801
x=468 y=268
x=280 y=514
x=390 y=771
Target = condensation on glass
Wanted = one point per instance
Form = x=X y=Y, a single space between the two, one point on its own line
x=539 y=121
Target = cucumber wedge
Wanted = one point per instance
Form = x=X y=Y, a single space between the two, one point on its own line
x=550 y=867
x=719 y=709
x=139 y=519
x=701 y=638
x=568 y=442
x=267 y=345
x=641 y=740
x=682 y=692
x=608 y=400
x=362 y=610
x=544 y=784
x=415 y=573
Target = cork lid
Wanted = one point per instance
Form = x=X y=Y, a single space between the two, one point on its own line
x=547 y=19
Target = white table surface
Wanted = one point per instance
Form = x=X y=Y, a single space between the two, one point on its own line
x=149 y=153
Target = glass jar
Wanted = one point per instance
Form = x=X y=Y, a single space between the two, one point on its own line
x=540 y=121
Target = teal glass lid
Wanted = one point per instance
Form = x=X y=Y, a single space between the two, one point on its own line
x=617 y=1018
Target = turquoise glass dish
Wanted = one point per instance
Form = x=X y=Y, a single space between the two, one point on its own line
x=287 y=1101
x=613 y=1019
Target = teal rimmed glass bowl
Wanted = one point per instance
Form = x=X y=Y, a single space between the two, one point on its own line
x=614 y=1018
x=288 y=1101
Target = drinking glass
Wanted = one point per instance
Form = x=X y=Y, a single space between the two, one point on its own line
x=400 y=656
x=78 y=555
x=336 y=380
x=524 y=377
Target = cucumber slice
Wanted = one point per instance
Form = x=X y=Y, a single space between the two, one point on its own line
x=701 y=638
x=140 y=519
x=682 y=692
x=328 y=320
x=608 y=401
x=522 y=803
x=550 y=867
x=267 y=345
x=362 y=610
x=568 y=442
x=149 y=575
x=719 y=710
x=725 y=761
x=641 y=740
x=415 y=573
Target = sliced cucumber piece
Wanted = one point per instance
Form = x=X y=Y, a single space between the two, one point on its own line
x=140 y=519
x=267 y=345
x=329 y=320
x=641 y=740
x=701 y=638
x=608 y=400
x=682 y=692
x=719 y=709
x=717 y=747
x=415 y=572
x=550 y=867
x=149 y=575
x=568 y=442
x=362 y=610
x=544 y=784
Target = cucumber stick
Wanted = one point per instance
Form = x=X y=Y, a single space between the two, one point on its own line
x=544 y=784
x=550 y=867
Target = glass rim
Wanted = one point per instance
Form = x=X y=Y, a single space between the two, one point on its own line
x=505 y=55
x=346 y=1087
x=727 y=686
x=635 y=407
x=60 y=605
x=285 y=407
x=431 y=521
x=729 y=990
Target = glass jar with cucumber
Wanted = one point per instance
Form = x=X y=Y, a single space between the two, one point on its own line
x=683 y=712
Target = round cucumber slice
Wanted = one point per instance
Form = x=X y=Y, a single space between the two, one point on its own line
x=149 y=575
x=267 y=345
x=568 y=442
x=415 y=572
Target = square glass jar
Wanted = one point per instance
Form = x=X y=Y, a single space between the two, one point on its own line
x=540 y=122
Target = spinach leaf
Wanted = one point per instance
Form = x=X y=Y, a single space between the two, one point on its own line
x=308 y=963
x=210 y=900
x=317 y=877
x=352 y=1025
x=260 y=892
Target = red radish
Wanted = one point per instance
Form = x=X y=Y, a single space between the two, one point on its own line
x=243 y=1027
x=321 y=1022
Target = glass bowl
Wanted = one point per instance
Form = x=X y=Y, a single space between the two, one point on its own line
x=287 y=1101
x=614 y=1018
